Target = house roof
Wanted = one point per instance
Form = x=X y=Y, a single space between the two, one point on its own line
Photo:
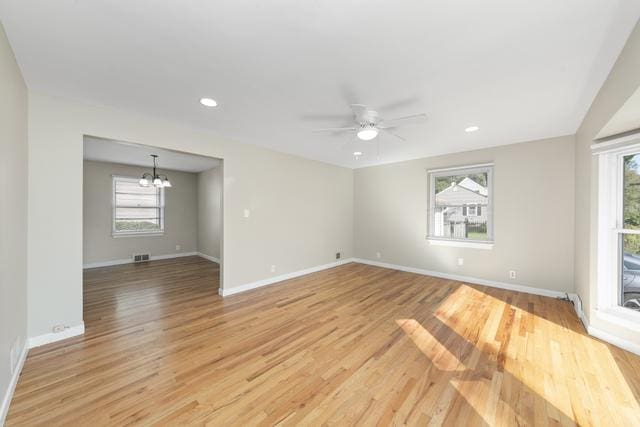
x=458 y=195
x=473 y=186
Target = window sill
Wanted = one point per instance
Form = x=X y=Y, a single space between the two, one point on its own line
x=460 y=243
x=119 y=235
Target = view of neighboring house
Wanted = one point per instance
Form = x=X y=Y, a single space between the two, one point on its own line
x=461 y=210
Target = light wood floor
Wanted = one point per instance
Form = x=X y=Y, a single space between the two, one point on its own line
x=351 y=345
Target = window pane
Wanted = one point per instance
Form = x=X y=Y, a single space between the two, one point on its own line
x=133 y=187
x=630 y=282
x=632 y=191
x=461 y=206
x=149 y=224
x=140 y=213
x=129 y=199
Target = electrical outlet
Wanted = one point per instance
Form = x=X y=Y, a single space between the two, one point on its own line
x=512 y=274
x=247 y=213
x=178 y=247
x=273 y=268
x=338 y=255
x=460 y=261
x=58 y=328
x=378 y=255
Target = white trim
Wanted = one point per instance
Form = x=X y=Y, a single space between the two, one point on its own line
x=455 y=168
x=599 y=333
x=615 y=340
x=615 y=144
x=209 y=257
x=69 y=332
x=276 y=279
x=467 y=279
x=6 y=399
x=610 y=230
x=130 y=260
x=577 y=306
x=460 y=243
x=123 y=234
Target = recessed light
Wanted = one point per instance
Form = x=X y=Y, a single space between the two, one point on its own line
x=208 y=102
x=357 y=153
x=471 y=129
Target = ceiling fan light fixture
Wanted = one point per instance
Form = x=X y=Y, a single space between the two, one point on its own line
x=368 y=133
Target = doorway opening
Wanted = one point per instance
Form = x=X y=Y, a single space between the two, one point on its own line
x=152 y=231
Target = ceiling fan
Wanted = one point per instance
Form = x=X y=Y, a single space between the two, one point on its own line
x=368 y=124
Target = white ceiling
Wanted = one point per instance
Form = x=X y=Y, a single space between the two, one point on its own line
x=106 y=150
x=519 y=69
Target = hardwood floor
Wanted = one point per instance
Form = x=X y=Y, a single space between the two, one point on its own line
x=352 y=345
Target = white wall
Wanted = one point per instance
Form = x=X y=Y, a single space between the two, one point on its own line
x=180 y=216
x=622 y=82
x=210 y=211
x=301 y=210
x=533 y=220
x=13 y=215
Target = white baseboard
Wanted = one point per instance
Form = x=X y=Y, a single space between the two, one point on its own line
x=276 y=279
x=6 y=399
x=130 y=261
x=69 y=332
x=209 y=257
x=612 y=339
x=467 y=279
x=624 y=344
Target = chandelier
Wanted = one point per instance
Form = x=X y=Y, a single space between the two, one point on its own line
x=155 y=179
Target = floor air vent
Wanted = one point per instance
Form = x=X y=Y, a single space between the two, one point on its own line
x=141 y=257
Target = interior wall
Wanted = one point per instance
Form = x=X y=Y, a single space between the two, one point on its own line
x=181 y=215
x=533 y=215
x=622 y=82
x=210 y=184
x=13 y=216
x=301 y=211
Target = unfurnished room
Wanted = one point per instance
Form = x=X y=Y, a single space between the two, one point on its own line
x=226 y=213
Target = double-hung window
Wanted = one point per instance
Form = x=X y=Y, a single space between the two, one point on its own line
x=618 y=289
x=137 y=210
x=460 y=206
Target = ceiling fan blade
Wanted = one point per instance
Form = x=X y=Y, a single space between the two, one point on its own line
x=359 y=111
x=409 y=117
x=394 y=134
x=334 y=129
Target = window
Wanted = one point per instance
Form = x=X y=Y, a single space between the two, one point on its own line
x=472 y=210
x=137 y=210
x=460 y=207
x=618 y=289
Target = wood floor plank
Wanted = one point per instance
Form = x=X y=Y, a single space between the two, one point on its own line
x=353 y=345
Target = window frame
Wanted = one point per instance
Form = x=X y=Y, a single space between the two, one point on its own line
x=432 y=174
x=610 y=205
x=130 y=233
